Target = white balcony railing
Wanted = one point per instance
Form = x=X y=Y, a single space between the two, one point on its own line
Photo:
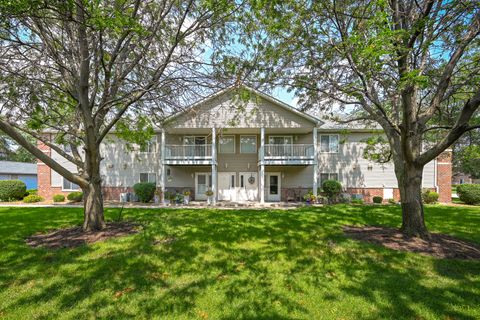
x=188 y=152
x=289 y=151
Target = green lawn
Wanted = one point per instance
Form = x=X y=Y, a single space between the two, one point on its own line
x=236 y=265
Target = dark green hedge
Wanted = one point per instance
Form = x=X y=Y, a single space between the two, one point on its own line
x=469 y=193
x=75 y=196
x=144 y=191
x=11 y=190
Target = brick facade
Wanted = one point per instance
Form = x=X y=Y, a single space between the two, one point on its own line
x=444 y=176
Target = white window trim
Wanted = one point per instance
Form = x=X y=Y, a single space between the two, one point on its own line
x=329 y=174
x=234 y=144
x=256 y=143
x=194 y=140
x=148 y=176
x=70 y=190
x=279 y=135
x=328 y=135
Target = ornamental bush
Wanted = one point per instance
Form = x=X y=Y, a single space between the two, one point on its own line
x=32 y=198
x=31 y=191
x=75 y=196
x=377 y=199
x=469 y=193
x=11 y=190
x=58 y=198
x=331 y=188
x=144 y=191
x=429 y=196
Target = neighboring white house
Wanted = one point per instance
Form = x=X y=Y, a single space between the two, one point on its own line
x=254 y=148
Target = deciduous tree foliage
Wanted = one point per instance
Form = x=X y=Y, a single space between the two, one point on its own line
x=400 y=63
x=79 y=68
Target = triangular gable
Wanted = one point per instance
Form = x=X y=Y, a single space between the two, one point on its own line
x=241 y=108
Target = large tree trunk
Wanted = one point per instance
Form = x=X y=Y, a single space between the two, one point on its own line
x=93 y=206
x=410 y=184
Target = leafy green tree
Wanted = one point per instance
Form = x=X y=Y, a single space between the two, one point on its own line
x=10 y=151
x=400 y=63
x=70 y=71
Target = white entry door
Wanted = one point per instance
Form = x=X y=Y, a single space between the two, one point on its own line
x=273 y=184
x=248 y=186
x=203 y=182
x=226 y=186
x=388 y=193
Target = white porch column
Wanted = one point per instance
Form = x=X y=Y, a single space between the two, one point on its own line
x=261 y=180
x=162 y=167
x=214 y=165
x=315 y=161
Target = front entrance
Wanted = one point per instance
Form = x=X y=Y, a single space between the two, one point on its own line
x=248 y=190
x=273 y=186
x=203 y=182
x=226 y=186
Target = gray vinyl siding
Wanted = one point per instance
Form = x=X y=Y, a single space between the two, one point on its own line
x=226 y=112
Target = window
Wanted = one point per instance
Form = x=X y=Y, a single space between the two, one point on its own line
x=329 y=143
x=226 y=144
x=328 y=176
x=148 y=177
x=67 y=185
x=280 y=139
x=148 y=147
x=248 y=144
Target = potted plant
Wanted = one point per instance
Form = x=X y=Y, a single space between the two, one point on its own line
x=309 y=198
x=209 y=195
x=156 y=196
x=178 y=198
x=186 y=196
x=166 y=197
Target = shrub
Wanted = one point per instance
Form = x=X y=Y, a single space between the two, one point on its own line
x=357 y=201
x=12 y=190
x=309 y=197
x=32 y=198
x=469 y=193
x=345 y=198
x=392 y=201
x=186 y=193
x=75 y=196
x=144 y=191
x=331 y=188
x=58 y=198
x=377 y=199
x=30 y=191
x=429 y=196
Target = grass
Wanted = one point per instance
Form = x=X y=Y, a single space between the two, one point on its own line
x=236 y=264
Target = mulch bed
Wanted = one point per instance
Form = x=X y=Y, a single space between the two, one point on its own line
x=74 y=237
x=439 y=246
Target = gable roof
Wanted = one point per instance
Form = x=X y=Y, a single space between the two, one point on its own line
x=265 y=96
x=11 y=167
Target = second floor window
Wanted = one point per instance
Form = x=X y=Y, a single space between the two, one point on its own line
x=248 y=144
x=226 y=144
x=148 y=177
x=329 y=143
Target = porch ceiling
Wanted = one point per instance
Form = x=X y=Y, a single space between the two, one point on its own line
x=240 y=130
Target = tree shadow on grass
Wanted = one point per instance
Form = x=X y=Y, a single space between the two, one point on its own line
x=246 y=264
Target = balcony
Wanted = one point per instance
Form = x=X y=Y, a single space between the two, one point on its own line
x=289 y=154
x=188 y=154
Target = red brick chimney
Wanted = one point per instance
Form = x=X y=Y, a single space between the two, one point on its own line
x=444 y=176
